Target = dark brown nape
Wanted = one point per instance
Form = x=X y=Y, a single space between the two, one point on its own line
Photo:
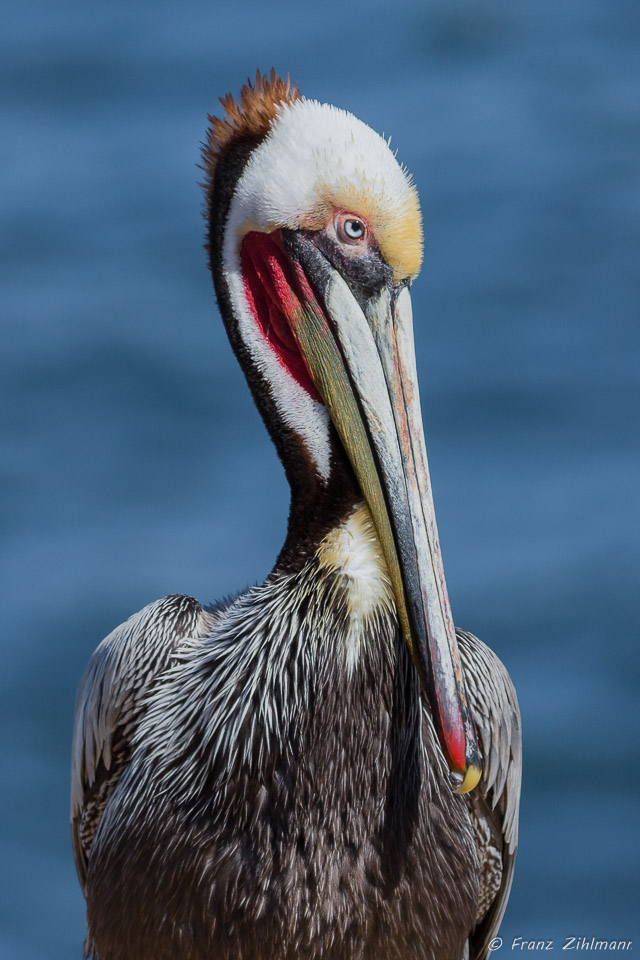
x=316 y=506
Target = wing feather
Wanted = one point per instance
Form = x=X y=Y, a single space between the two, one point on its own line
x=110 y=702
x=494 y=804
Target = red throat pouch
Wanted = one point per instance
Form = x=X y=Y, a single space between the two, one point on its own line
x=271 y=285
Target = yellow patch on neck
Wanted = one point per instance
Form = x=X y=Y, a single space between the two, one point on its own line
x=352 y=552
x=351 y=556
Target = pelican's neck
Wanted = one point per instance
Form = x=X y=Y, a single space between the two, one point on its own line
x=318 y=506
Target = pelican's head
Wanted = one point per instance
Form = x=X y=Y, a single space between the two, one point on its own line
x=315 y=235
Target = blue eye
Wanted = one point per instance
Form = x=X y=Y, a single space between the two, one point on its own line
x=350 y=229
x=354 y=229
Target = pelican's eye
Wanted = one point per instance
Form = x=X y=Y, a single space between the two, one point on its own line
x=350 y=229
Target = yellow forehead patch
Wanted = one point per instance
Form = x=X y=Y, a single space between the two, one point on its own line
x=396 y=227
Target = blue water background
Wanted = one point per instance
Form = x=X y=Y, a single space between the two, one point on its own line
x=133 y=461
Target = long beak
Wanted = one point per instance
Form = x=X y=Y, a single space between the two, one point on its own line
x=361 y=358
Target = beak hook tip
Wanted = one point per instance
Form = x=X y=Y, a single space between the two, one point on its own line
x=465 y=784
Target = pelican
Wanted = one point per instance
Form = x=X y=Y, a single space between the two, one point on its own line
x=321 y=767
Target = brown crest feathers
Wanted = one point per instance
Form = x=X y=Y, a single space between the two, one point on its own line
x=252 y=116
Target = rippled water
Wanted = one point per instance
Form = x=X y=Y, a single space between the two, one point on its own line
x=134 y=465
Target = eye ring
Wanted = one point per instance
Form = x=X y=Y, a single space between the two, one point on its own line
x=351 y=229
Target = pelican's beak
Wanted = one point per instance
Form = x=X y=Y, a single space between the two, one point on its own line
x=360 y=354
